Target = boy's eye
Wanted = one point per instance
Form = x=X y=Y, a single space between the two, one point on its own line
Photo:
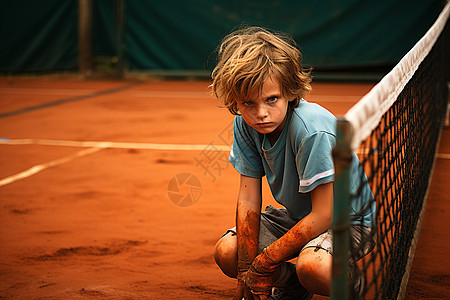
x=247 y=103
x=272 y=99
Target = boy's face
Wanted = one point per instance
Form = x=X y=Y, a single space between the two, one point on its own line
x=266 y=112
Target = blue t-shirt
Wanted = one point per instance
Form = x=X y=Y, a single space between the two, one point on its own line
x=299 y=161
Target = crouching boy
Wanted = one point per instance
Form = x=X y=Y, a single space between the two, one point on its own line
x=277 y=134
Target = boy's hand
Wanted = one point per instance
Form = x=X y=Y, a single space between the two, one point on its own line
x=259 y=276
x=243 y=292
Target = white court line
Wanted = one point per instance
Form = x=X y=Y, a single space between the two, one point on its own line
x=203 y=95
x=438 y=155
x=120 y=145
x=335 y=99
x=443 y=155
x=38 y=168
x=159 y=94
x=143 y=146
x=92 y=147
x=171 y=94
x=38 y=91
x=75 y=92
x=96 y=146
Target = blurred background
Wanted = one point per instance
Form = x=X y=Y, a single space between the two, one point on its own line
x=341 y=39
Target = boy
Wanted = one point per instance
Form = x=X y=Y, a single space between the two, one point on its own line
x=277 y=134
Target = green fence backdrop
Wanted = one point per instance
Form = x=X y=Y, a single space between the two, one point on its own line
x=182 y=34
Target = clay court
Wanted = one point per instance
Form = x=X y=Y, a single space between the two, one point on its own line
x=89 y=202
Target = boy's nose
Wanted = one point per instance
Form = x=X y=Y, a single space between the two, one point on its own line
x=262 y=111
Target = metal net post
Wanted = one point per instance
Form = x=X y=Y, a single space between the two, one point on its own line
x=342 y=155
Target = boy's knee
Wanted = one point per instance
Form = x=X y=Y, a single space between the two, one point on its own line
x=314 y=270
x=225 y=255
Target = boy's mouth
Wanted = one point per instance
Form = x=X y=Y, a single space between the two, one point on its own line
x=265 y=124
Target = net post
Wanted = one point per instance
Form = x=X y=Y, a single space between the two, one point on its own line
x=342 y=155
x=120 y=40
x=85 y=62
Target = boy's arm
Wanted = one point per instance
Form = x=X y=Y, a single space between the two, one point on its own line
x=248 y=214
x=312 y=225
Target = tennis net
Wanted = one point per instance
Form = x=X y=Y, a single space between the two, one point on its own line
x=394 y=130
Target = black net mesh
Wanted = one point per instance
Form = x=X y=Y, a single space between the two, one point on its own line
x=398 y=158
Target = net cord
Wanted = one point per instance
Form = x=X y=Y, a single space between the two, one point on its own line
x=365 y=115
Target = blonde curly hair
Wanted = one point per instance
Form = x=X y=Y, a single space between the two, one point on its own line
x=248 y=56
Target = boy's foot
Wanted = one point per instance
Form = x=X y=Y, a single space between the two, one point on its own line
x=292 y=290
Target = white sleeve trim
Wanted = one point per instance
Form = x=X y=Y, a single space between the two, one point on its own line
x=308 y=182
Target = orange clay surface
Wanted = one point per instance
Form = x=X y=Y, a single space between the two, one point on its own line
x=113 y=221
